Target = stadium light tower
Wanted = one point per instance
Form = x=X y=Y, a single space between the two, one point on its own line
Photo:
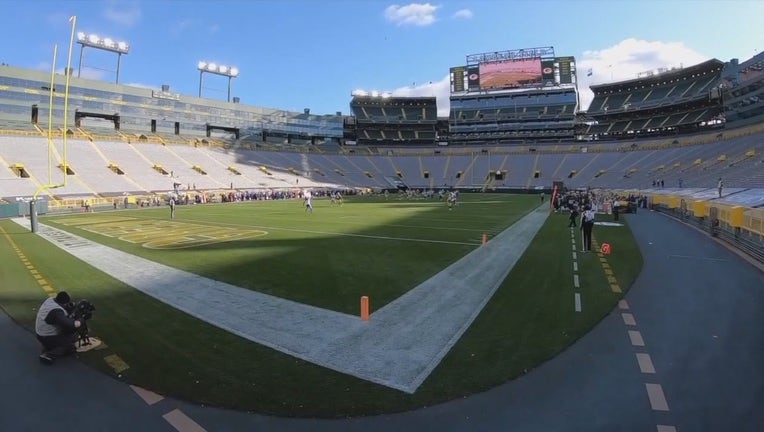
x=105 y=44
x=213 y=68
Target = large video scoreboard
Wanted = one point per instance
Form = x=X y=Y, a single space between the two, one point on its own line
x=515 y=69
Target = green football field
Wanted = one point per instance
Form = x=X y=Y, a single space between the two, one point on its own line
x=329 y=258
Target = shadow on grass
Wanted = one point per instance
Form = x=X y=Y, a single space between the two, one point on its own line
x=528 y=320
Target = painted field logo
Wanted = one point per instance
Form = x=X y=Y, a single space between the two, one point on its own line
x=161 y=234
x=605 y=249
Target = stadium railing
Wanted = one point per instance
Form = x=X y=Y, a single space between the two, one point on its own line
x=739 y=226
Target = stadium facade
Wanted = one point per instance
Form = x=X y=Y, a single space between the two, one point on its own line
x=743 y=90
x=499 y=98
x=513 y=96
x=660 y=103
x=383 y=119
x=513 y=124
x=25 y=95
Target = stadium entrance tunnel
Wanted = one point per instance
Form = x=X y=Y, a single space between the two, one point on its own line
x=66 y=169
x=116 y=169
x=20 y=170
x=158 y=168
x=79 y=115
x=233 y=130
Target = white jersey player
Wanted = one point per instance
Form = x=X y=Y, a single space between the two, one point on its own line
x=308 y=202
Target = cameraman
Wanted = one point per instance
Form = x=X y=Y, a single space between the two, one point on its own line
x=55 y=330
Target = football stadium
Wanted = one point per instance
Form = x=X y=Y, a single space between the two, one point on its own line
x=310 y=265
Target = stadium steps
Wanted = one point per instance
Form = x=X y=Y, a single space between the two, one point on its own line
x=43 y=133
x=695 y=164
x=141 y=155
x=490 y=183
x=83 y=132
x=746 y=156
x=396 y=171
x=535 y=169
x=360 y=170
x=228 y=166
x=688 y=89
x=376 y=168
x=592 y=160
x=112 y=164
x=503 y=165
x=556 y=170
x=421 y=166
x=467 y=172
x=633 y=168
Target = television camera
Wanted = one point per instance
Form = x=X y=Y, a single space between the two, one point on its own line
x=82 y=311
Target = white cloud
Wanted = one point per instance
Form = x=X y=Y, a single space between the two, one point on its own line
x=179 y=27
x=418 y=14
x=43 y=66
x=463 y=14
x=58 y=19
x=124 y=14
x=440 y=89
x=628 y=58
x=88 y=73
x=143 y=86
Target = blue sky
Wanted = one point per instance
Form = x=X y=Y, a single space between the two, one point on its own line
x=296 y=54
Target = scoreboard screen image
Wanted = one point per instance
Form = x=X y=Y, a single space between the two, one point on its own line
x=510 y=74
x=517 y=74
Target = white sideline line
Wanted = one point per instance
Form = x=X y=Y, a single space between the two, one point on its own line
x=575 y=281
x=577 y=301
x=574 y=255
x=575 y=266
x=573 y=246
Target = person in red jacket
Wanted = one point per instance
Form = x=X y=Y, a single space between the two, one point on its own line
x=55 y=330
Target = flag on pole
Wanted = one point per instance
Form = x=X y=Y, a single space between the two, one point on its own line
x=72 y=18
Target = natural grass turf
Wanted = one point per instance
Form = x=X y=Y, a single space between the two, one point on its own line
x=528 y=320
x=369 y=246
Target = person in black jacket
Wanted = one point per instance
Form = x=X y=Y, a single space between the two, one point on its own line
x=55 y=330
x=587 y=223
x=573 y=217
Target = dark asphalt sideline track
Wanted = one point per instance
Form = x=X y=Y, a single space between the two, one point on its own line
x=699 y=308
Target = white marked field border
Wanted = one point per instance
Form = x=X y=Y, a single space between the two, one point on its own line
x=181 y=422
x=645 y=363
x=383 y=350
x=656 y=396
